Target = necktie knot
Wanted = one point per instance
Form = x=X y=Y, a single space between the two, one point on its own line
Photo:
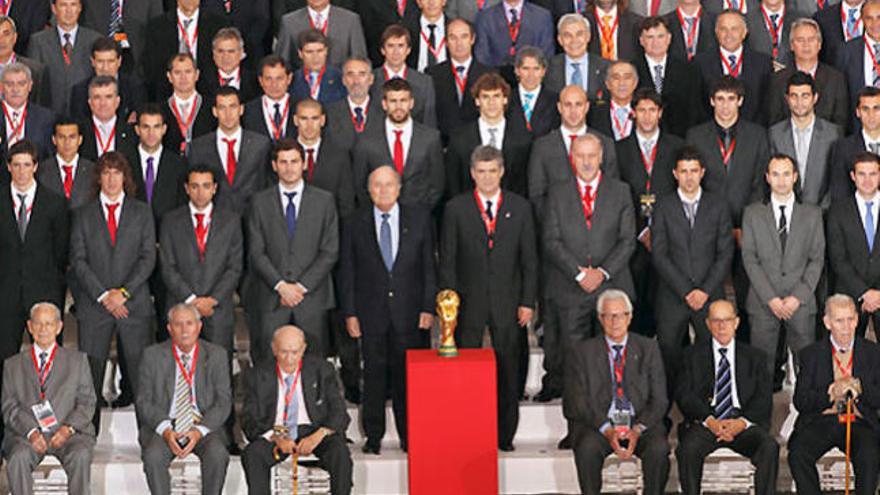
x=187 y=23
x=290 y=196
x=385 y=217
x=67 y=37
x=230 y=142
x=459 y=69
x=529 y=97
x=68 y=170
x=588 y=192
x=621 y=113
x=489 y=209
x=606 y=19
x=111 y=208
x=869 y=204
x=723 y=351
x=398 y=134
x=732 y=59
x=876 y=47
x=618 y=348
x=200 y=220
x=852 y=13
x=512 y=16
x=774 y=18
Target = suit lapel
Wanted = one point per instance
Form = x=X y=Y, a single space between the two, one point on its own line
x=814 y=175
x=477 y=219
x=370 y=225
x=770 y=220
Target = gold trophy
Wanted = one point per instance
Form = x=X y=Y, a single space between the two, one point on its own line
x=447 y=310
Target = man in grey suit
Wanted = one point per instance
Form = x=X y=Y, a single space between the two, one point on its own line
x=242 y=163
x=185 y=399
x=113 y=253
x=293 y=244
x=615 y=399
x=807 y=138
x=396 y=45
x=64 y=49
x=645 y=8
x=130 y=31
x=575 y=66
x=342 y=28
x=47 y=374
x=783 y=253
x=66 y=172
x=467 y=9
x=413 y=149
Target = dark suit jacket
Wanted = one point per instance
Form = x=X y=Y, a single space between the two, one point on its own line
x=423 y=174
x=633 y=173
x=33 y=270
x=250 y=172
x=203 y=123
x=545 y=117
x=45 y=47
x=388 y=302
x=515 y=147
x=855 y=268
x=686 y=258
x=627 y=41
x=450 y=114
x=331 y=86
x=124 y=138
x=376 y=15
x=760 y=39
x=249 y=88
x=132 y=95
x=253 y=18
x=852 y=64
x=493 y=39
x=754 y=73
x=742 y=180
x=682 y=107
x=49 y=174
x=492 y=283
x=833 y=104
x=588 y=384
x=599 y=119
x=168 y=190
x=833 y=39
x=30 y=16
x=568 y=244
x=41 y=93
x=38 y=128
x=333 y=174
x=321 y=394
x=816 y=374
x=253 y=119
x=839 y=182
x=340 y=125
x=96 y=15
x=211 y=382
x=697 y=384
x=706 y=42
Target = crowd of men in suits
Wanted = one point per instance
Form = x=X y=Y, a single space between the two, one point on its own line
x=580 y=166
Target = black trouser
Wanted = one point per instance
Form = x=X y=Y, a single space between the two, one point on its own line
x=645 y=281
x=591 y=448
x=864 y=318
x=696 y=442
x=346 y=348
x=741 y=288
x=673 y=316
x=562 y=323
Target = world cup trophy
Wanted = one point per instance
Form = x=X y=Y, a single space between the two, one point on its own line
x=447 y=310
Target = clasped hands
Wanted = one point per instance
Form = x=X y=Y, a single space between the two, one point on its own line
x=725 y=430
x=114 y=303
x=592 y=279
x=192 y=437
x=56 y=441
x=305 y=446
x=838 y=389
x=291 y=293
x=784 y=308
x=614 y=438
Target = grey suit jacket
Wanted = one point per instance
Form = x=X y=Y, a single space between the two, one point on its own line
x=809 y=7
x=50 y=175
x=549 y=165
x=759 y=35
x=424 y=110
x=774 y=274
x=640 y=7
x=307 y=259
x=250 y=170
x=555 y=79
x=466 y=9
x=100 y=266
x=588 y=389
x=45 y=47
x=68 y=388
x=814 y=186
x=135 y=14
x=345 y=33
x=41 y=92
x=211 y=382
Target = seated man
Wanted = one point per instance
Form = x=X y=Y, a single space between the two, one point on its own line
x=608 y=414
x=47 y=407
x=279 y=419
x=184 y=403
x=833 y=370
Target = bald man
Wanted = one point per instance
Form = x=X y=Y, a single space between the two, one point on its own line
x=279 y=419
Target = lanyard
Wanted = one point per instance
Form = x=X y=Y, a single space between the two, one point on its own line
x=184 y=126
x=43 y=375
x=7 y=5
x=460 y=82
x=732 y=70
x=774 y=29
x=323 y=27
x=17 y=130
x=607 y=33
x=726 y=153
x=237 y=76
x=277 y=131
x=188 y=377
x=103 y=147
x=873 y=57
x=513 y=32
x=855 y=31
x=621 y=128
x=388 y=76
x=490 y=224
x=288 y=396
x=618 y=370
x=359 y=128
x=691 y=34
x=845 y=371
x=435 y=52
x=649 y=163
x=191 y=44
x=314 y=88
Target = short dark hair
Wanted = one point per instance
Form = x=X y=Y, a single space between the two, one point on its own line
x=396 y=84
x=688 y=153
x=24 y=147
x=150 y=109
x=226 y=91
x=105 y=44
x=287 y=144
x=395 y=31
x=181 y=56
x=801 y=78
x=103 y=82
x=867 y=92
x=647 y=94
x=273 y=60
x=311 y=36
x=202 y=168
x=863 y=156
x=727 y=84
x=786 y=157
x=486 y=153
x=63 y=121
x=652 y=22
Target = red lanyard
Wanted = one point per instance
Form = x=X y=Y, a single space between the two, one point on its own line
x=277 y=131
x=103 y=147
x=435 y=52
x=184 y=126
x=188 y=377
x=480 y=4
x=606 y=32
x=17 y=130
x=388 y=76
x=314 y=88
x=490 y=224
x=236 y=77
x=741 y=7
x=848 y=35
x=43 y=375
x=323 y=27
x=513 y=31
x=774 y=29
x=623 y=130
x=726 y=153
x=359 y=128
x=18 y=206
x=460 y=82
x=873 y=56
x=732 y=70
x=618 y=370
x=191 y=44
x=847 y=371
x=649 y=163
x=7 y=5
x=288 y=396
x=690 y=39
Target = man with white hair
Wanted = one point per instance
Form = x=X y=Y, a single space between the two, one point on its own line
x=576 y=66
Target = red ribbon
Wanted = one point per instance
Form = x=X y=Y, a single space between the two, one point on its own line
x=490 y=224
x=732 y=70
x=17 y=130
x=103 y=147
x=42 y=377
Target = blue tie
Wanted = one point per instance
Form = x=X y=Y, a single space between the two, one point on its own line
x=528 y=107
x=292 y=408
x=290 y=214
x=577 y=78
x=723 y=385
x=869 y=225
x=385 y=242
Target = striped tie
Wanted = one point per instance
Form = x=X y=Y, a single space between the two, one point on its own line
x=186 y=415
x=115 y=17
x=723 y=396
x=292 y=408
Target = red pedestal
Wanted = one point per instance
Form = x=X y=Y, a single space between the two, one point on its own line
x=452 y=420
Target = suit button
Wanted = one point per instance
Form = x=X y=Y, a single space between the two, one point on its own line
x=783 y=274
x=390 y=293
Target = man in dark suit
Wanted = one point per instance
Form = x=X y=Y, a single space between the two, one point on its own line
x=185 y=399
x=240 y=157
x=575 y=65
x=693 y=30
x=646 y=160
x=316 y=80
x=413 y=148
x=488 y=254
x=691 y=250
x=429 y=36
x=840 y=25
x=281 y=7
x=507 y=27
x=852 y=223
x=615 y=399
x=271 y=418
x=396 y=46
x=63 y=380
x=187 y=112
x=491 y=94
x=860 y=52
x=63 y=49
x=106 y=60
x=186 y=29
x=832 y=371
x=807 y=138
x=253 y=19
x=716 y=7
x=127 y=26
x=30 y=18
x=227 y=50
x=341 y=26
x=22 y=119
x=865 y=139
x=271 y=114
x=739 y=61
x=833 y=105
x=454 y=78
x=769 y=30
x=113 y=253
x=387 y=285
x=107 y=131
x=614 y=117
x=615 y=31
x=726 y=398
x=8 y=55
x=348 y=118
x=378 y=15
x=66 y=173
x=293 y=244
x=674 y=79
x=532 y=103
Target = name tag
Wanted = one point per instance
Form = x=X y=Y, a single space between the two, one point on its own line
x=45 y=415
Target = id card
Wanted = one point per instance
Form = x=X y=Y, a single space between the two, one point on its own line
x=45 y=415
x=621 y=420
x=646 y=204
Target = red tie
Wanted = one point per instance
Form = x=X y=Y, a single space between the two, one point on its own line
x=398 y=152
x=571 y=152
x=201 y=234
x=310 y=162
x=68 y=179
x=111 y=222
x=587 y=200
x=401 y=7
x=230 y=160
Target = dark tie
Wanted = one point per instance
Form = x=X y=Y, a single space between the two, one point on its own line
x=432 y=43
x=385 y=242
x=489 y=214
x=513 y=16
x=290 y=214
x=43 y=357
x=458 y=89
x=67 y=48
x=727 y=138
x=359 y=116
x=149 y=180
x=723 y=386
x=620 y=400
x=277 y=116
x=22 y=216
x=783 y=227
x=732 y=59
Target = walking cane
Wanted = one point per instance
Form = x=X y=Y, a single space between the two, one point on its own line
x=849 y=402
x=295 y=457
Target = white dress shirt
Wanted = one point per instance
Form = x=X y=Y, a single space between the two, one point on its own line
x=116 y=214
x=486 y=136
x=74 y=164
x=731 y=359
x=862 y=205
x=105 y=129
x=302 y=414
x=802 y=153
x=297 y=199
x=726 y=54
x=406 y=137
x=191 y=30
x=269 y=112
x=493 y=199
x=156 y=156
x=172 y=411
x=439 y=41
x=684 y=199
x=222 y=147
x=29 y=195
x=566 y=137
x=72 y=33
x=234 y=76
x=775 y=203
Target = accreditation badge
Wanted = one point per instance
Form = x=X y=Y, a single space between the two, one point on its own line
x=646 y=204
x=45 y=415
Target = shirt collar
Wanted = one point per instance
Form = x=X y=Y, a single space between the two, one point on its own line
x=235 y=135
x=610 y=343
x=316 y=146
x=194 y=17
x=110 y=124
x=235 y=74
x=652 y=62
x=281 y=102
x=439 y=23
x=189 y=354
x=106 y=201
x=839 y=347
x=731 y=347
x=771 y=12
x=789 y=203
x=684 y=199
x=466 y=64
x=28 y=194
x=392 y=213
x=406 y=127
x=862 y=201
x=653 y=137
x=391 y=74
x=594 y=184
x=38 y=349
x=207 y=211
x=73 y=162
x=298 y=188
x=325 y=13
x=735 y=53
x=189 y=101
x=493 y=199
x=72 y=33
x=580 y=131
x=583 y=59
x=155 y=155
x=523 y=91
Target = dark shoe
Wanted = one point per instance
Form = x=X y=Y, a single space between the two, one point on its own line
x=234 y=450
x=506 y=447
x=545 y=395
x=353 y=395
x=565 y=443
x=403 y=447
x=369 y=448
x=124 y=400
x=102 y=403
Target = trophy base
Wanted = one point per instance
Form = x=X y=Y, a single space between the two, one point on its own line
x=447 y=351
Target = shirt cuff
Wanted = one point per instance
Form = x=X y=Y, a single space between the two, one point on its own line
x=190 y=299
x=604 y=272
x=204 y=430
x=103 y=295
x=580 y=276
x=303 y=287
x=640 y=427
x=28 y=436
x=269 y=434
x=275 y=287
x=164 y=425
x=604 y=427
